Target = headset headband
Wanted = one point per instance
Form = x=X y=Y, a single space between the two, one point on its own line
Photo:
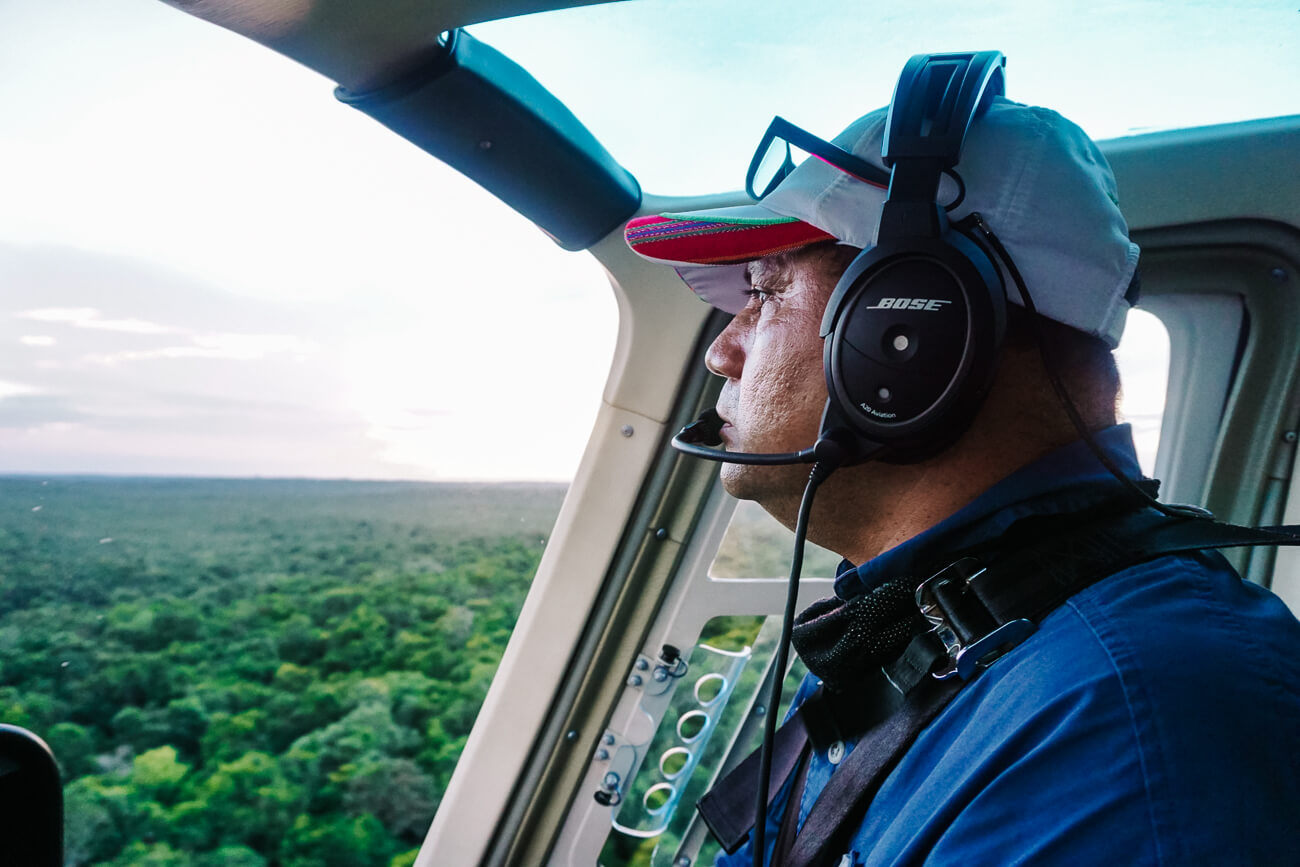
x=937 y=97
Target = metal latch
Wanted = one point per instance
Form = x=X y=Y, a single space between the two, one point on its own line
x=965 y=659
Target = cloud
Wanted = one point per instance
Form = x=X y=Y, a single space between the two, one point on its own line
x=15 y=389
x=233 y=347
x=89 y=317
x=36 y=411
x=59 y=314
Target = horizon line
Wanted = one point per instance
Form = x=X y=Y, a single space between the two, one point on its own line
x=74 y=474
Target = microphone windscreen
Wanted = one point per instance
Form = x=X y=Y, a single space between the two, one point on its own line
x=705 y=430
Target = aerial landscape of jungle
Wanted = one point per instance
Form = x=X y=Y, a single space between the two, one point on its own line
x=256 y=672
x=264 y=673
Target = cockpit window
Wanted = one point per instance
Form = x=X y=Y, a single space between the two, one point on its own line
x=1143 y=360
x=287 y=412
x=288 y=408
x=1116 y=70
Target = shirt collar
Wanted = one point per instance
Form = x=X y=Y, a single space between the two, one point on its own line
x=1068 y=479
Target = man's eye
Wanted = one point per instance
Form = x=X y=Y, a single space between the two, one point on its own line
x=760 y=297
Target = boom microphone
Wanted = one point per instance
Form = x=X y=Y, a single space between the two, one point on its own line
x=834 y=447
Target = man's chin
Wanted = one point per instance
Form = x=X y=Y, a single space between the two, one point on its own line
x=760 y=483
x=734 y=480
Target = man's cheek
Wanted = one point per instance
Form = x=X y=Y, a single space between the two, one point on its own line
x=783 y=387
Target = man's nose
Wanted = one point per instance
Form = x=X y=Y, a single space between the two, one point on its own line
x=726 y=355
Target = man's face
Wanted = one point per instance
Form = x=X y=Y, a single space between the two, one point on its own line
x=771 y=357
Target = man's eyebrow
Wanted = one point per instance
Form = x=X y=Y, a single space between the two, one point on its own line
x=771 y=277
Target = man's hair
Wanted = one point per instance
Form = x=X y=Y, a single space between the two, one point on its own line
x=1071 y=352
x=1083 y=364
x=831 y=258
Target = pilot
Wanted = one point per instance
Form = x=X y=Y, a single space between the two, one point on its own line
x=1153 y=716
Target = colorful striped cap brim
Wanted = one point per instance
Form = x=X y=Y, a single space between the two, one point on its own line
x=710 y=248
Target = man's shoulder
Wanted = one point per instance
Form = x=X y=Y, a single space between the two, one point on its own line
x=1181 y=636
x=1165 y=679
x=1188 y=621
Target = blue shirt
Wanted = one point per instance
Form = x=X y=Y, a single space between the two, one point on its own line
x=1154 y=718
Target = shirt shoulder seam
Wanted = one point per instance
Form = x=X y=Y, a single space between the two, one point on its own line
x=1110 y=642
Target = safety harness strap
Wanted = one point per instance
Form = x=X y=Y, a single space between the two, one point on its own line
x=979 y=607
x=729 y=816
x=790 y=822
x=867 y=768
x=1075 y=560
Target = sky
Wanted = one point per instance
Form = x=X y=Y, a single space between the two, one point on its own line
x=208 y=266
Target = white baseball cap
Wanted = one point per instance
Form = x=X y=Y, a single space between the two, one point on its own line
x=1039 y=182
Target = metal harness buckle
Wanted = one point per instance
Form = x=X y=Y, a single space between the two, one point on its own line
x=966 y=659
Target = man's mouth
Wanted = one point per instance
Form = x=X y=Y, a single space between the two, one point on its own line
x=726 y=430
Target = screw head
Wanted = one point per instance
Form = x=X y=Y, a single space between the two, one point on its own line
x=1290 y=436
x=634 y=680
x=602 y=755
x=609 y=740
x=760 y=710
x=661 y=533
x=1278 y=274
x=627 y=430
x=660 y=674
x=571 y=735
x=611 y=780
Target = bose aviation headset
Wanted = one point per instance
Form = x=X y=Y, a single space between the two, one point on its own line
x=912 y=331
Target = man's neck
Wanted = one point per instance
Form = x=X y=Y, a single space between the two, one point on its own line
x=864 y=510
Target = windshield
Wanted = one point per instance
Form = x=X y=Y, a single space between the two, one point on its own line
x=688 y=87
x=210 y=268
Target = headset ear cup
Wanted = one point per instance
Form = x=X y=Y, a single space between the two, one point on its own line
x=913 y=330
x=912 y=334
